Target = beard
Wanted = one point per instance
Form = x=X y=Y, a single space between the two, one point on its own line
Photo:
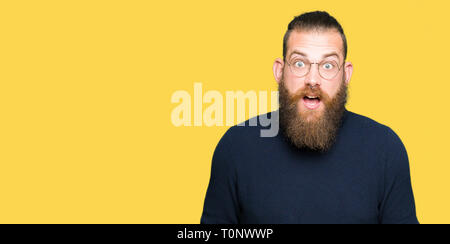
x=311 y=129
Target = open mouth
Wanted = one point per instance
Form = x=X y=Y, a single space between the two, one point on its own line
x=311 y=102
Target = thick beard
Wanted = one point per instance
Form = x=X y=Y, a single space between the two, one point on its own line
x=319 y=133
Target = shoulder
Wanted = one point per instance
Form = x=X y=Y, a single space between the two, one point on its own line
x=384 y=140
x=372 y=128
x=252 y=134
x=240 y=141
x=251 y=129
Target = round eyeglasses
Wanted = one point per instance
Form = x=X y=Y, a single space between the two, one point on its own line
x=328 y=69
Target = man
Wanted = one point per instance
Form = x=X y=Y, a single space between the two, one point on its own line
x=329 y=165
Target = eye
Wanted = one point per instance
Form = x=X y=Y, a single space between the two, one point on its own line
x=299 y=64
x=328 y=65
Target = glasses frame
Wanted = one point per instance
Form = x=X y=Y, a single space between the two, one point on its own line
x=318 y=64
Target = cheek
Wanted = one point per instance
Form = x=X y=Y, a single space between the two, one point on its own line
x=292 y=83
x=331 y=88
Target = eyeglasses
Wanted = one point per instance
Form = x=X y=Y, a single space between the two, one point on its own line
x=328 y=69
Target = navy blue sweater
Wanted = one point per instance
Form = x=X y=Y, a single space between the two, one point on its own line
x=363 y=178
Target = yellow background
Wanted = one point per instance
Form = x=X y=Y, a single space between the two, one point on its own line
x=85 y=88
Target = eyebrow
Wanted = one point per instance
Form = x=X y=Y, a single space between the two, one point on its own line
x=323 y=56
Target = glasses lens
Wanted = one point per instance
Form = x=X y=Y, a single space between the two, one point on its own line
x=328 y=69
x=299 y=67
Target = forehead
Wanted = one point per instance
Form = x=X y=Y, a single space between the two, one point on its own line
x=315 y=44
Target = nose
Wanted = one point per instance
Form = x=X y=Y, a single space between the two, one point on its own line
x=313 y=77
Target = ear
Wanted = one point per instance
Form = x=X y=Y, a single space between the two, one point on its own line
x=348 y=69
x=278 y=69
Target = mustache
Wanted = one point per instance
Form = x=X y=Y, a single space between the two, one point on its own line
x=309 y=91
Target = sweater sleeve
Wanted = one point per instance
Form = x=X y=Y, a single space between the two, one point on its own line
x=221 y=202
x=397 y=205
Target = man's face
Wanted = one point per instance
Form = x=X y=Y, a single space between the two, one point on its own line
x=313 y=47
x=311 y=106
